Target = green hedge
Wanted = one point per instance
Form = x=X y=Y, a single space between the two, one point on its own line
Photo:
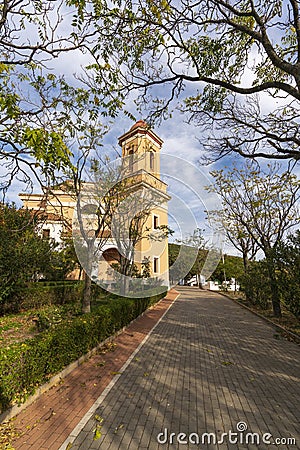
x=25 y=366
x=38 y=294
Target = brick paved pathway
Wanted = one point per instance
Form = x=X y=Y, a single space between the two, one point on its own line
x=46 y=423
x=208 y=365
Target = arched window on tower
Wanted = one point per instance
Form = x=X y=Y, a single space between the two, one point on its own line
x=151 y=160
x=130 y=163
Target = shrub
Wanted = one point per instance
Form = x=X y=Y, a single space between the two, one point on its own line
x=288 y=262
x=38 y=294
x=23 y=253
x=256 y=284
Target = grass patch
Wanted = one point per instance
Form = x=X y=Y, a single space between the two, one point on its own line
x=17 y=328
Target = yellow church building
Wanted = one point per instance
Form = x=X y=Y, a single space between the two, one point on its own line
x=141 y=163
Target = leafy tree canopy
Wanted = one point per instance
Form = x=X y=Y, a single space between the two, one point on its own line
x=261 y=206
x=41 y=111
x=287 y=258
x=229 y=267
x=258 y=204
x=23 y=254
x=235 y=65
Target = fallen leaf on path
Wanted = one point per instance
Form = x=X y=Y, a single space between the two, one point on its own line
x=97 y=433
x=110 y=347
x=119 y=427
x=8 y=433
x=98 y=418
x=101 y=363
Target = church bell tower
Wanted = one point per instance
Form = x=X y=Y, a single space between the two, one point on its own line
x=141 y=153
x=141 y=148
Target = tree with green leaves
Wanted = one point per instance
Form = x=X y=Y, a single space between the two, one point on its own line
x=40 y=109
x=24 y=255
x=265 y=205
x=112 y=211
x=232 y=67
x=287 y=257
x=130 y=225
x=93 y=184
x=229 y=267
x=229 y=218
x=197 y=241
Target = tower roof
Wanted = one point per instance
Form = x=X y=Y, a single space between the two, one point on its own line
x=142 y=128
x=139 y=124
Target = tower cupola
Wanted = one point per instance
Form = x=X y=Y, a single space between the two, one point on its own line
x=140 y=143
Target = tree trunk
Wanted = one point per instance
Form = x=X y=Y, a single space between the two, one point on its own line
x=124 y=270
x=274 y=288
x=246 y=267
x=245 y=262
x=87 y=291
x=125 y=287
x=199 y=281
x=86 y=301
